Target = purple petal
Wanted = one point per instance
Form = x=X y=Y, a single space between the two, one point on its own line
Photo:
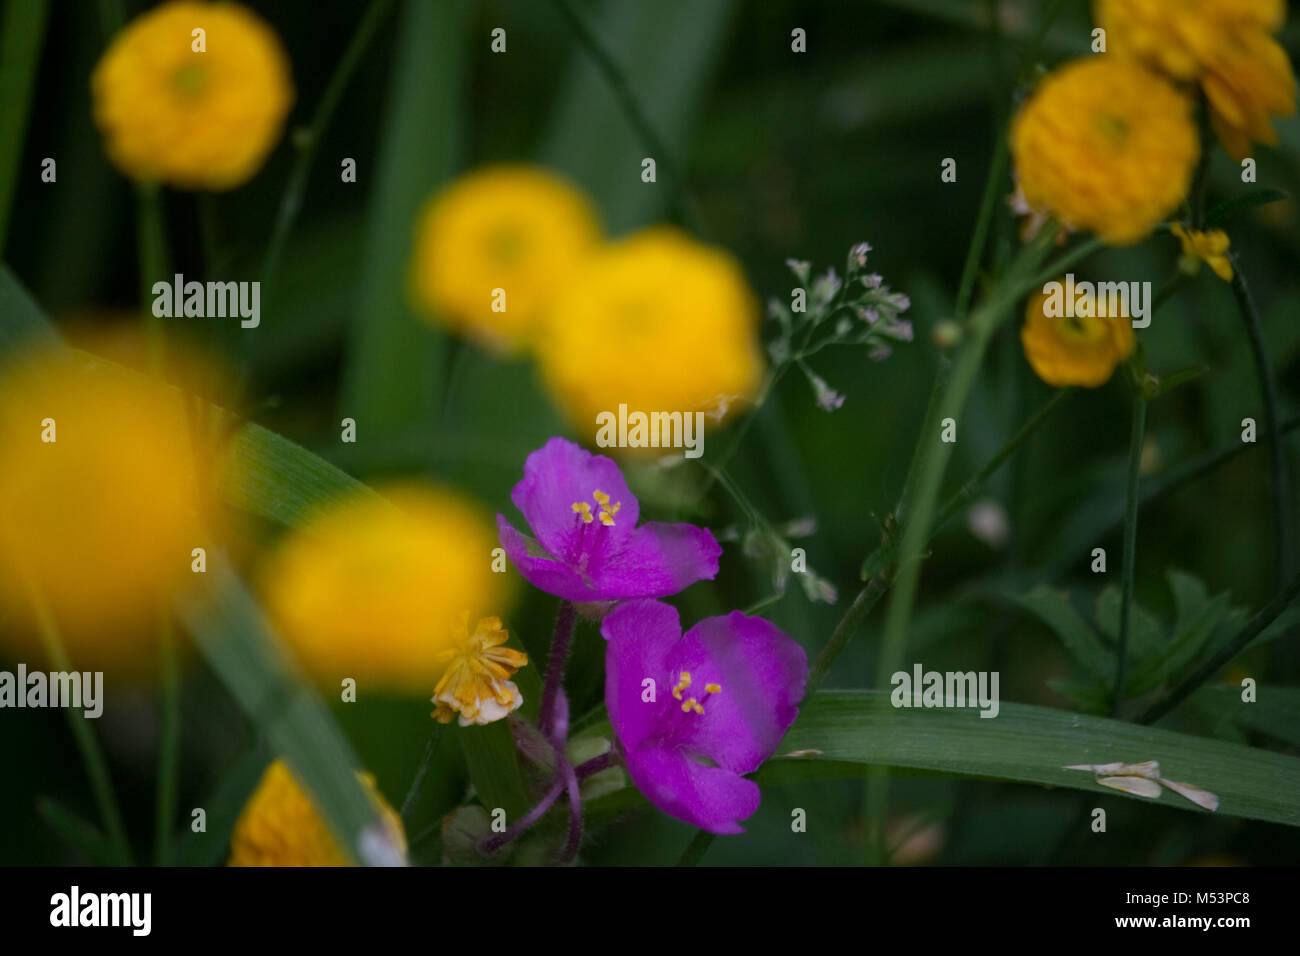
x=555 y=477
x=639 y=635
x=708 y=797
x=658 y=560
x=762 y=673
x=547 y=573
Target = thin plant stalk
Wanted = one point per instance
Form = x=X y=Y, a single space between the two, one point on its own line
x=1136 y=436
x=92 y=755
x=564 y=622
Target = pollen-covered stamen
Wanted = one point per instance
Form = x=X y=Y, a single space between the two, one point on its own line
x=583 y=509
x=683 y=682
x=607 y=510
x=691 y=704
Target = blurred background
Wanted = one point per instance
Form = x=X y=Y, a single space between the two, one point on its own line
x=785 y=155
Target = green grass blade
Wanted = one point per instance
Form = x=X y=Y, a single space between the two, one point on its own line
x=394 y=363
x=236 y=641
x=665 y=49
x=22 y=34
x=1031 y=744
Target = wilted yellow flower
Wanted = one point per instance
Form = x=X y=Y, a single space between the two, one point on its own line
x=1067 y=343
x=279 y=826
x=103 y=498
x=1210 y=247
x=1225 y=45
x=196 y=110
x=370 y=588
x=476 y=680
x=1106 y=145
x=656 y=321
x=494 y=247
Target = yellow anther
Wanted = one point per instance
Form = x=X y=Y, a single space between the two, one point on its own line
x=713 y=688
x=584 y=509
x=601 y=497
x=691 y=704
x=683 y=682
x=606 y=519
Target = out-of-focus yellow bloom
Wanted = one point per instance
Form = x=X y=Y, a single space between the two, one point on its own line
x=1075 y=349
x=194 y=120
x=514 y=228
x=279 y=826
x=1210 y=247
x=657 y=321
x=1225 y=45
x=1106 y=145
x=370 y=588
x=104 y=495
x=476 y=682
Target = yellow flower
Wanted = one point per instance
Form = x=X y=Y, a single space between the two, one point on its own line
x=1075 y=349
x=370 y=587
x=279 y=826
x=476 y=681
x=513 y=228
x=657 y=321
x=1225 y=45
x=1105 y=145
x=1210 y=247
x=103 y=498
x=195 y=120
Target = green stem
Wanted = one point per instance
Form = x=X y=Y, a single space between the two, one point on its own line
x=695 y=851
x=168 y=741
x=1130 y=542
x=933 y=462
x=618 y=84
x=291 y=201
x=987 y=204
x=1279 y=479
x=1254 y=627
x=22 y=37
x=426 y=761
x=857 y=612
x=92 y=755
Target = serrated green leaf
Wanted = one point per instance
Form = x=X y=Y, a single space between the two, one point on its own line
x=1054 y=609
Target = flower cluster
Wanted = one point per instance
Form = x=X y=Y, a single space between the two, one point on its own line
x=725 y=692
x=858 y=309
x=512 y=257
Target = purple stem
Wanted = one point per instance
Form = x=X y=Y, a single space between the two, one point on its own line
x=555 y=668
x=575 y=812
x=525 y=823
x=596 y=764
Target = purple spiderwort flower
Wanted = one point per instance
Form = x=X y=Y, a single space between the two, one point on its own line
x=726 y=693
x=588 y=548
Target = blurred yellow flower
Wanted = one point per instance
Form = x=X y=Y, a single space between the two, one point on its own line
x=1225 y=45
x=476 y=681
x=1078 y=347
x=1210 y=247
x=195 y=119
x=104 y=495
x=279 y=826
x=371 y=588
x=494 y=247
x=1106 y=145
x=657 y=321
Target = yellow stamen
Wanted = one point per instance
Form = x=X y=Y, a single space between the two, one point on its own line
x=601 y=497
x=683 y=682
x=713 y=688
x=584 y=509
